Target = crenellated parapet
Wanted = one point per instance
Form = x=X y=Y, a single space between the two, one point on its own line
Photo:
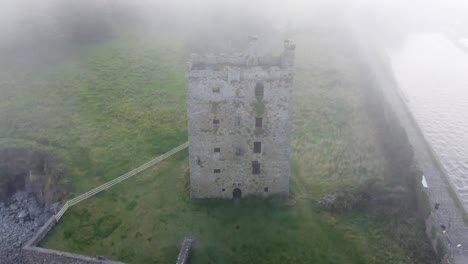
x=239 y=109
x=244 y=60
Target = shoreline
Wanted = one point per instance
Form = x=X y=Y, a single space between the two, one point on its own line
x=417 y=127
x=451 y=213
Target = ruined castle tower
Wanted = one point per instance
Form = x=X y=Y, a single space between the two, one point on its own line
x=239 y=123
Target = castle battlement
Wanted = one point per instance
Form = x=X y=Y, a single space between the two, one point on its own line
x=240 y=121
x=244 y=60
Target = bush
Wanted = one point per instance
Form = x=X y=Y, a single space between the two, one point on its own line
x=372 y=196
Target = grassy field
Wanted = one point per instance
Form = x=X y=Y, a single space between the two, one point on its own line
x=113 y=105
x=110 y=106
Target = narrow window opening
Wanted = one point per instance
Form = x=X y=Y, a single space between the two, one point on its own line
x=216 y=89
x=217 y=170
x=257 y=147
x=265 y=189
x=259 y=91
x=255 y=167
x=239 y=151
x=258 y=122
x=217 y=149
x=223 y=189
x=215 y=121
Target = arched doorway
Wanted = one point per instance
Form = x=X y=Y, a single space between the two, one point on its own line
x=237 y=193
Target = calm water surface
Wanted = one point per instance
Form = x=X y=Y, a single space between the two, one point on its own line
x=433 y=75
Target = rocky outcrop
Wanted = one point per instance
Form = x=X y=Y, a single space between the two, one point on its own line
x=20 y=217
x=33 y=169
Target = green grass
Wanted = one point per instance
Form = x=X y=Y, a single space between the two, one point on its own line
x=433 y=232
x=114 y=105
x=245 y=231
x=111 y=106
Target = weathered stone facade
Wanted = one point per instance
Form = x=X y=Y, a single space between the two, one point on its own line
x=240 y=120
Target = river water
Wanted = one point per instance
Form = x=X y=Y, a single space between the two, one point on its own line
x=432 y=74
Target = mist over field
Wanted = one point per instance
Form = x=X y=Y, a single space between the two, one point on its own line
x=92 y=89
x=38 y=24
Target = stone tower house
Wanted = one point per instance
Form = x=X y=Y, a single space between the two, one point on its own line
x=239 y=123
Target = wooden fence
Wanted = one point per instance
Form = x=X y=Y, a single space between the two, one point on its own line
x=119 y=179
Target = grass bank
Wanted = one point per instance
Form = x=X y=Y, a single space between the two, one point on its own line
x=109 y=106
x=114 y=105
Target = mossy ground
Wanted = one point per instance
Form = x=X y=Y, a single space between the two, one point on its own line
x=114 y=105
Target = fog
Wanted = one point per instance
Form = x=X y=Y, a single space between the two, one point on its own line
x=101 y=83
x=49 y=22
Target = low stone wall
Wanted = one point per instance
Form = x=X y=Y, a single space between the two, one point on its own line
x=35 y=255
x=451 y=244
x=31 y=254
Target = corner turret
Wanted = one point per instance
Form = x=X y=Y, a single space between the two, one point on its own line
x=287 y=58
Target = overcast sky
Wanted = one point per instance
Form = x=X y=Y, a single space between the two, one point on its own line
x=18 y=15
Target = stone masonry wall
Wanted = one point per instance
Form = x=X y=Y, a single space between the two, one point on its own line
x=439 y=185
x=46 y=256
x=222 y=110
x=31 y=254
